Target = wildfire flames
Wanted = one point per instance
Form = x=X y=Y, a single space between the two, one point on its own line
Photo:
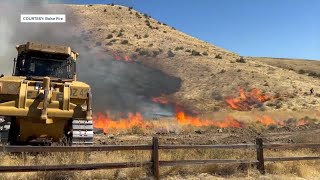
x=247 y=100
x=184 y=119
x=266 y=121
x=122 y=58
x=244 y=102
x=107 y=123
x=116 y=56
x=119 y=57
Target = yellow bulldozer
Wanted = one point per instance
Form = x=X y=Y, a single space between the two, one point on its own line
x=42 y=103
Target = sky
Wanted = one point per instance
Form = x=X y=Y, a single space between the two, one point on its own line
x=265 y=28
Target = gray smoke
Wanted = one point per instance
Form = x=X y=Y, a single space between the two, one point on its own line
x=117 y=86
x=12 y=32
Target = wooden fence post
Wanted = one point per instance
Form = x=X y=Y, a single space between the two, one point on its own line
x=155 y=158
x=260 y=158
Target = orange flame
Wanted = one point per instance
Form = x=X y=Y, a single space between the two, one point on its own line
x=302 y=122
x=105 y=122
x=266 y=120
x=247 y=100
x=116 y=56
x=184 y=119
x=119 y=57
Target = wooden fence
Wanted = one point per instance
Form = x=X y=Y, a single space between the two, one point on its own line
x=155 y=163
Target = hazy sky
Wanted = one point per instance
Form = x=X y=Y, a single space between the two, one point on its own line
x=277 y=28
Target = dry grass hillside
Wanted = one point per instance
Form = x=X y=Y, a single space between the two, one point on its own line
x=208 y=73
x=301 y=66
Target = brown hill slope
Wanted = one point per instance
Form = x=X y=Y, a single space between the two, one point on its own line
x=206 y=77
x=301 y=66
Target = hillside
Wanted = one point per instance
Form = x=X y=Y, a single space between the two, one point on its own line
x=208 y=73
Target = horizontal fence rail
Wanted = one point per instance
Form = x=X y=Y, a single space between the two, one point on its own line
x=275 y=159
x=74 y=167
x=290 y=146
x=155 y=163
x=224 y=146
x=205 y=162
x=73 y=148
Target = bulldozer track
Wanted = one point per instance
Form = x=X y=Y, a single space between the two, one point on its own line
x=82 y=132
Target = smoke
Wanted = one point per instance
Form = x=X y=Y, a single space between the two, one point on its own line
x=116 y=86
x=12 y=32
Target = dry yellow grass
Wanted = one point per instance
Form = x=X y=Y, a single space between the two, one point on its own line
x=283 y=170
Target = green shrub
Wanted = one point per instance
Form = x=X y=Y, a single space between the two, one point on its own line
x=120 y=34
x=155 y=53
x=138 y=36
x=205 y=53
x=143 y=53
x=179 y=48
x=170 y=54
x=195 y=53
x=110 y=36
x=124 y=42
x=218 y=56
x=314 y=74
x=223 y=71
x=138 y=49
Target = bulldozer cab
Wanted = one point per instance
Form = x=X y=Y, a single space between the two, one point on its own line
x=37 y=60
